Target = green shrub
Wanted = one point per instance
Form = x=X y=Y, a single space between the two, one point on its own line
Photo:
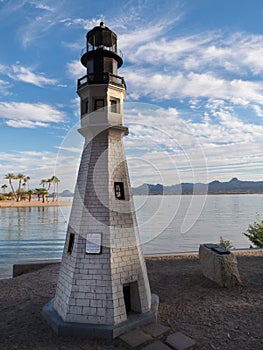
x=255 y=232
x=225 y=243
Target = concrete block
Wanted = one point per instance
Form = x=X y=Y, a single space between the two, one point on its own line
x=179 y=341
x=221 y=269
x=156 y=329
x=157 y=345
x=135 y=338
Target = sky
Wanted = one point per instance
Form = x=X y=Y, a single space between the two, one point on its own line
x=193 y=70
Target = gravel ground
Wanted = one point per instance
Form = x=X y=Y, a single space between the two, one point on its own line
x=215 y=317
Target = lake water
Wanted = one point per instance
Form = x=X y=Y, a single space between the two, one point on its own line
x=167 y=224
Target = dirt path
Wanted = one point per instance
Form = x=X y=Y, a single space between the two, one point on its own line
x=217 y=318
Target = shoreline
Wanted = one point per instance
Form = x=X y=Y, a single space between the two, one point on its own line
x=22 y=267
x=27 y=266
x=34 y=203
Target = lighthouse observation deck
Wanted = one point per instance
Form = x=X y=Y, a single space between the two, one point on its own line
x=103 y=78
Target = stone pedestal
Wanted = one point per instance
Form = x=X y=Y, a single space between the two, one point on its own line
x=220 y=267
x=98 y=331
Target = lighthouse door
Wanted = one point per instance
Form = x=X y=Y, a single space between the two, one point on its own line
x=131 y=297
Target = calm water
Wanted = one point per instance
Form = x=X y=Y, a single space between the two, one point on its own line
x=167 y=224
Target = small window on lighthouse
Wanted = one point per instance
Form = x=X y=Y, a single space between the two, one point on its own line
x=85 y=106
x=98 y=104
x=115 y=106
x=119 y=190
x=71 y=243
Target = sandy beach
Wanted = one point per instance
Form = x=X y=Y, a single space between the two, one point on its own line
x=33 y=203
x=217 y=318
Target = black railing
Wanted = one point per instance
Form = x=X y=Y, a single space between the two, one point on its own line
x=103 y=78
x=93 y=48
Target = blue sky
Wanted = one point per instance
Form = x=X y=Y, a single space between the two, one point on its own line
x=193 y=70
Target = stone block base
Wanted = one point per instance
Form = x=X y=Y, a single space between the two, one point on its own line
x=98 y=331
x=220 y=268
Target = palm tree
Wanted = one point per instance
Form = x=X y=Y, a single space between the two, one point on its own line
x=24 y=186
x=4 y=187
x=42 y=192
x=10 y=177
x=45 y=193
x=43 y=182
x=55 y=181
x=10 y=195
x=49 y=182
x=38 y=193
x=20 y=177
x=26 y=180
x=30 y=192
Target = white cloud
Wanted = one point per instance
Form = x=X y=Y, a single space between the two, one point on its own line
x=143 y=14
x=162 y=147
x=29 y=115
x=25 y=124
x=239 y=53
x=85 y=23
x=88 y=24
x=36 y=18
x=75 y=46
x=132 y=41
x=158 y=50
x=26 y=75
x=190 y=85
x=43 y=6
x=4 y=87
x=70 y=149
x=35 y=30
x=206 y=65
x=210 y=71
x=192 y=150
x=258 y=110
x=37 y=165
x=75 y=69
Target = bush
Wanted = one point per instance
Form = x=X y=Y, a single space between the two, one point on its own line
x=225 y=243
x=255 y=232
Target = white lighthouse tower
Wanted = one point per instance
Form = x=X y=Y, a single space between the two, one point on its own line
x=103 y=288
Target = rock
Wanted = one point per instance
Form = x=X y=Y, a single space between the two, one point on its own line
x=220 y=268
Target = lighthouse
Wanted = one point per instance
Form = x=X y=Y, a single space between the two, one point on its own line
x=103 y=288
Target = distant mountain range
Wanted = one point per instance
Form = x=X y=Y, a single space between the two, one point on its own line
x=233 y=186
x=66 y=193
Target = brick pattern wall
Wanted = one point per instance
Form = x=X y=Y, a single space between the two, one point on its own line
x=90 y=287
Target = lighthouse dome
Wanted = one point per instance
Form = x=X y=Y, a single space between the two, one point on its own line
x=102 y=36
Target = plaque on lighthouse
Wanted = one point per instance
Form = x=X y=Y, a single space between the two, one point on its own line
x=93 y=243
x=103 y=288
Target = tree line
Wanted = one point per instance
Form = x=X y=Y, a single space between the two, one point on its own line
x=20 y=189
